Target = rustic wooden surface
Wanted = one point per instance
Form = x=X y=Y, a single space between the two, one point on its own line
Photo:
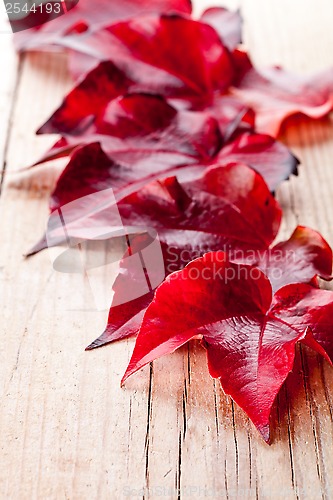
x=67 y=429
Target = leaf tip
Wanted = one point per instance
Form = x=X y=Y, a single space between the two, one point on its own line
x=265 y=433
x=99 y=342
x=41 y=245
x=123 y=380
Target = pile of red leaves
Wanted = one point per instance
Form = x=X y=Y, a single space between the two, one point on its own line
x=171 y=114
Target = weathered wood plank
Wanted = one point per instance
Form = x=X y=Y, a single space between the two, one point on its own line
x=68 y=430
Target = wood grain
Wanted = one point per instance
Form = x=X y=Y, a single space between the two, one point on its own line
x=67 y=429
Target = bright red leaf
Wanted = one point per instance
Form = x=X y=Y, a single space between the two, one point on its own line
x=227 y=207
x=249 y=339
x=275 y=94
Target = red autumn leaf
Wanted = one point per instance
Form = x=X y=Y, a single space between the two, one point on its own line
x=88 y=98
x=149 y=138
x=94 y=108
x=144 y=48
x=131 y=167
x=224 y=206
x=250 y=343
x=228 y=208
x=93 y=94
x=275 y=94
x=300 y=259
x=91 y=16
x=95 y=105
x=137 y=126
x=148 y=142
x=228 y=24
x=90 y=170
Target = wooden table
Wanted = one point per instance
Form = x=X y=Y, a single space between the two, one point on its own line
x=67 y=429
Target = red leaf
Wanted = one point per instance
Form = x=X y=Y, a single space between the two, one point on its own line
x=250 y=348
x=300 y=259
x=91 y=98
x=228 y=25
x=92 y=16
x=297 y=260
x=275 y=94
x=87 y=99
x=144 y=48
x=149 y=137
x=134 y=127
x=149 y=141
x=229 y=205
x=230 y=208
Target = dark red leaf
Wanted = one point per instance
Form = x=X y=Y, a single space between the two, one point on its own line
x=38 y=15
x=275 y=94
x=250 y=344
x=92 y=16
x=141 y=162
x=150 y=141
x=228 y=25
